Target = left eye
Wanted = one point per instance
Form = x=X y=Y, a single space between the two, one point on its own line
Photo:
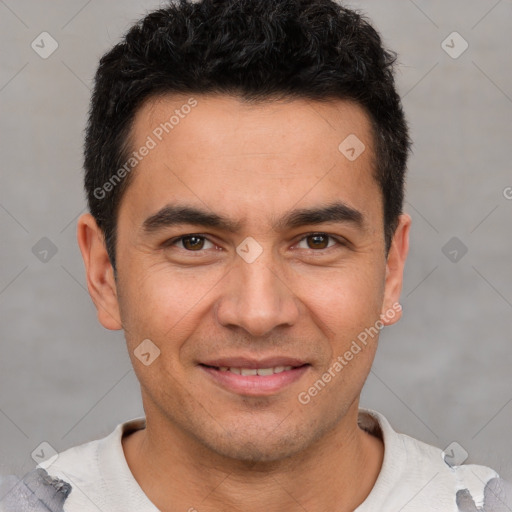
x=193 y=242
x=318 y=241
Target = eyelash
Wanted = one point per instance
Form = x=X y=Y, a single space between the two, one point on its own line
x=173 y=241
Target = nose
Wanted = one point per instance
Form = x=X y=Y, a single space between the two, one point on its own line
x=257 y=298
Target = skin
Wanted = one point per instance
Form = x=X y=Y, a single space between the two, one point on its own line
x=204 y=446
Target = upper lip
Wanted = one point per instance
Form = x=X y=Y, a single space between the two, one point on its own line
x=245 y=362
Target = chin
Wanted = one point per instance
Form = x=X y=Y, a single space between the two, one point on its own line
x=256 y=444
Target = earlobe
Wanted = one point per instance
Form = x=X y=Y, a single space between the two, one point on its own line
x=391 y=309
x=99 y=272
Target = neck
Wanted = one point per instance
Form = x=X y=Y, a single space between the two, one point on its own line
x=177 y=473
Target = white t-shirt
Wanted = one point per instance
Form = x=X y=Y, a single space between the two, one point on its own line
x=414 y=475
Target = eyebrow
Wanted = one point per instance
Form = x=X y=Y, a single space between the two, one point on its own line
x=172 y=215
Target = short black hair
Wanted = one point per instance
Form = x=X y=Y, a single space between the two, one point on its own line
x=257 y=50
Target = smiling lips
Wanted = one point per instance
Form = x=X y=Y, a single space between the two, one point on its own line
x=255 y=377
x=255 y=371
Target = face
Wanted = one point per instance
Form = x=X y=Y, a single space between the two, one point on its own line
x=250 y=241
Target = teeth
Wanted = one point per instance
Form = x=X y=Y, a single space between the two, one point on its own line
x=248 y=371
x=256 y=371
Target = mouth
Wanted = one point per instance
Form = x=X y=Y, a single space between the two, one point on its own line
x=262 y=372
x=249 y=380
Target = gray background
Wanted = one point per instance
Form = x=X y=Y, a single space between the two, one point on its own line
x=441 y=375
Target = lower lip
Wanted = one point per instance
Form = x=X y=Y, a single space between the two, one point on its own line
x=255 y=385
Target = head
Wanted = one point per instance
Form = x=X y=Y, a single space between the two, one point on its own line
x=270 y=131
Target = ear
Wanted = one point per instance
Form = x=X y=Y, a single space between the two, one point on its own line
x=391 y=308
x=99 y=272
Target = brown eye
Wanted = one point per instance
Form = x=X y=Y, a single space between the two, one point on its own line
x=318 y=241
x=193 y=242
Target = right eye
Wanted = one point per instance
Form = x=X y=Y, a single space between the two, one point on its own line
x=191 y=243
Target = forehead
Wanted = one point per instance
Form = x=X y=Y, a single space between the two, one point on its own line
x=218 y=151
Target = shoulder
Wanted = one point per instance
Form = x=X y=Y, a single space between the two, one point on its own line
x=449 y=476
x=92 y=467
x=90 y=459
x=76 y=479
x=418 y=476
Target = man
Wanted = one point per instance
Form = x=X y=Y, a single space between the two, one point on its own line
x=245 y=167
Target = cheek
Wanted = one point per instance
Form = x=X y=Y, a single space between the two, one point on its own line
x=161 y=303
x=346 y=305
x=344 y=298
